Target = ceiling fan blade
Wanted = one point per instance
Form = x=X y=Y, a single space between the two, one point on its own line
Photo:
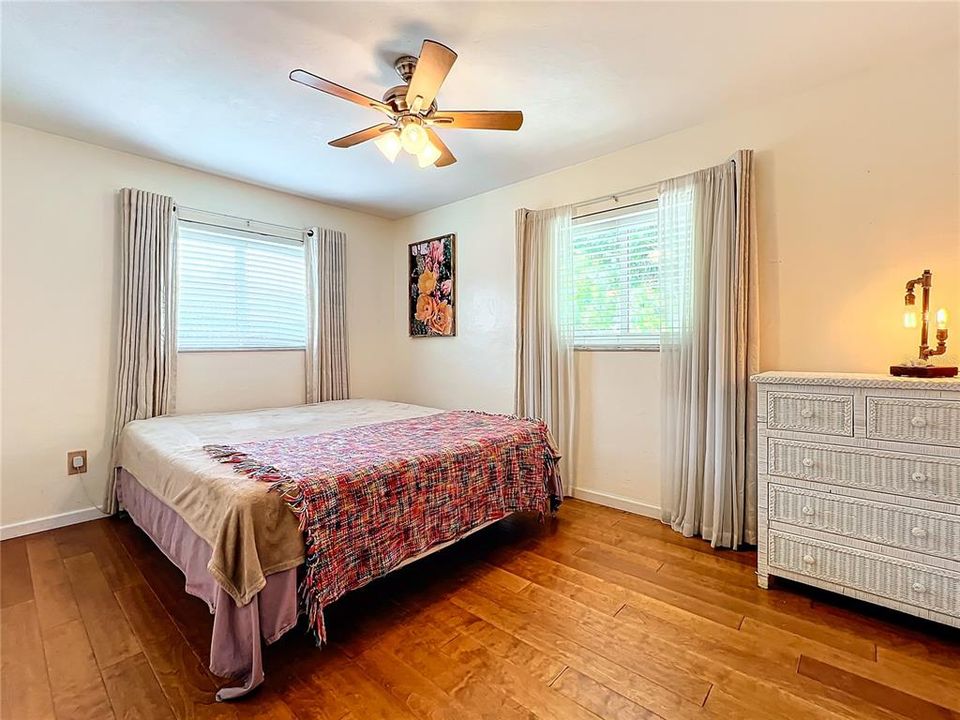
x=478 y=119
x=360 y=136
x=446 y=157
x=318 y=83
x=432 y=68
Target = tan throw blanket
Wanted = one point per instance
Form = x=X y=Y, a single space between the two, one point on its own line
x=251 y=531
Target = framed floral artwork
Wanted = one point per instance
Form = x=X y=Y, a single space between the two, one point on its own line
x=433 y=287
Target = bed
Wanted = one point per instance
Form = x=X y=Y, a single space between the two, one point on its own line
x=271 y=513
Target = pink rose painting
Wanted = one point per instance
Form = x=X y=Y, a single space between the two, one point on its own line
x=432 y=283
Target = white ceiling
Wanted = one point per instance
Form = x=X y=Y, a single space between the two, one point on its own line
x=205 y=84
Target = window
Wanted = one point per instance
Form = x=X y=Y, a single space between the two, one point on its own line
x=239 y=291
x=615 y=270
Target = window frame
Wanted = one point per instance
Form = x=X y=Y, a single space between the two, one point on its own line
x=196 y=218
x=652 y=344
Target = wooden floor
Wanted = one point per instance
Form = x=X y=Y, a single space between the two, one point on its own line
x=595 y=614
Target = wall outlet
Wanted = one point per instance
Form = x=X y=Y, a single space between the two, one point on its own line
x=76 y=462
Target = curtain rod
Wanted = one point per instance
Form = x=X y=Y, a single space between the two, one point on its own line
x=246 y=221
x=616 y=196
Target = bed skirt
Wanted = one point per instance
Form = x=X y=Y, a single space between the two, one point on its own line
x=235 y=648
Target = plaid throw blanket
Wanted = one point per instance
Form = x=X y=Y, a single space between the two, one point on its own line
x=370 y=497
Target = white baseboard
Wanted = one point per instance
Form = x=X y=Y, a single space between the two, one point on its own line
x=29 y=527
x=618 y=502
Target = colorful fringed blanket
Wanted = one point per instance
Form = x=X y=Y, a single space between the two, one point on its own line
x=370 y=497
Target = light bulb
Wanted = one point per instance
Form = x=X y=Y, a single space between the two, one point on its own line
x=909 y=319
x=941 y=319
x=413 y=137
x=429 y=155
x=389 y=144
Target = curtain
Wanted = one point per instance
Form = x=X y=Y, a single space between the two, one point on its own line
x=147 y=346
x=709 y=349
x=545 y=372
x=326 y=358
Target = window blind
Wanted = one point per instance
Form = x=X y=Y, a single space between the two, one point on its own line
x=239 y=291
x=615 y=277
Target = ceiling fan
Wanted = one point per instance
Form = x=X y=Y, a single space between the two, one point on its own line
x=412 y=109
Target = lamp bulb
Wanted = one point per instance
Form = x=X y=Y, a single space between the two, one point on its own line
x=389 y=144
x=941 y=319
x=413 y=137
x=429 y=155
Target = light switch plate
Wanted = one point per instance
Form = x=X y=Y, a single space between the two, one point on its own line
x=82 y=454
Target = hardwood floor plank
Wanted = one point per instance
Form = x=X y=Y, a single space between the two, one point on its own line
x=365 y=697
x=16 y=585
x=110 y=634
x=664 y=552
x=905 y=704
x=599 y=699
x=54 y=594
x=97 y=537
x=515 y=681
x=24 y=681
x=640 y=586
x=936 y=688
x=134 y=691
x=412 y=690
x=78 y=690
x=774 y=607
x=509 y=647
x=191 y=614
x=904 y=634
x=309 y=691
x=896 y=660
x=649 y=527
x=589 y=591
x=579 y=645
x=721 y=655
x=413 y=645
x=189 y=687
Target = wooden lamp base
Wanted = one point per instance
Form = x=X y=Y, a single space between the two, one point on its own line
x=923 y=371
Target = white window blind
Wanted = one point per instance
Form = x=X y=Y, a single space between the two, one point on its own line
x=615 y=279
x=239 y=291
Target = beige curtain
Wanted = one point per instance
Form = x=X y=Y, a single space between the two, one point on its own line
x=545 y=382
x=709 y=348
x=326 y=360
x=147 y=347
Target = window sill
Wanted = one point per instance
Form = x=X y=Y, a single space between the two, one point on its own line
x=194 y=351
x=616 y=348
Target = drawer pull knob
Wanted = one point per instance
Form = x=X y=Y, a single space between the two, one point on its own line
x=919 y=588
x=806 y=413
x=918 y=532
x=807 y=462
x=918 y=422
x=807 y=510
x=809 y=559
x=919 y=477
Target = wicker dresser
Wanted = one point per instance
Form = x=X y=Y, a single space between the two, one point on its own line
x=859 y=487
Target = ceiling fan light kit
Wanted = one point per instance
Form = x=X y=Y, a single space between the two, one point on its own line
x=412 y=109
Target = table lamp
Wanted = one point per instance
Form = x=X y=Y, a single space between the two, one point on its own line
x=922 y=367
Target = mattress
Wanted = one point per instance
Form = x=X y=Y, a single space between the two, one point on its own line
x=251 y=531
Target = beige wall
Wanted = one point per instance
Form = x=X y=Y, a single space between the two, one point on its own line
x=59 y=288
x=858 y=191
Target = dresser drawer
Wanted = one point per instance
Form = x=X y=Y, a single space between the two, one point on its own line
x=908 y=528
x=906 y=582
x=929 y=422
x=919 y=476
x=810 y=412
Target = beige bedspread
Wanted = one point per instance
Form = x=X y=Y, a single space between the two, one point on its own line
x=252 y=531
